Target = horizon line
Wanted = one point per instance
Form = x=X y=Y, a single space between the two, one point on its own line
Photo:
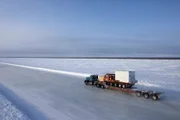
x=165 y=58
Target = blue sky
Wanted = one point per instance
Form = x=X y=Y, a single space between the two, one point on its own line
x=90 y=27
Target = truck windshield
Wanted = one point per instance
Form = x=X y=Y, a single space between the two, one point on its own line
x=95 y=77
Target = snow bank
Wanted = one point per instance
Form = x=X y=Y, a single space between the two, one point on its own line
x=9 y=112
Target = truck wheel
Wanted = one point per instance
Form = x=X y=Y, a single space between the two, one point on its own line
x=107 y=83
x=99 y=85
x=94 y=83
x=154 y=97
x=86 y=82
x=146 y=95
x=102 y=86
x=123 y=86
x=130 y=86
x=138 y=94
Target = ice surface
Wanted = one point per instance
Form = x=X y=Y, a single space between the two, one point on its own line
x=67 y=98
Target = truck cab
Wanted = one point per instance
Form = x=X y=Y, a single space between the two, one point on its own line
x=91 y=79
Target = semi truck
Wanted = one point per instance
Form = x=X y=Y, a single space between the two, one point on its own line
x=122 y=81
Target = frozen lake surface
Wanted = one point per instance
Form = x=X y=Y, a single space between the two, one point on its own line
x=59 y=96
x=150 y=73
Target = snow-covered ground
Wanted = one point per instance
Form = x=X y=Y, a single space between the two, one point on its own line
x=149 y=73
x=8 y=111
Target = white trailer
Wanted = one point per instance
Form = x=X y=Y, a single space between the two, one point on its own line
x=125 y=76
